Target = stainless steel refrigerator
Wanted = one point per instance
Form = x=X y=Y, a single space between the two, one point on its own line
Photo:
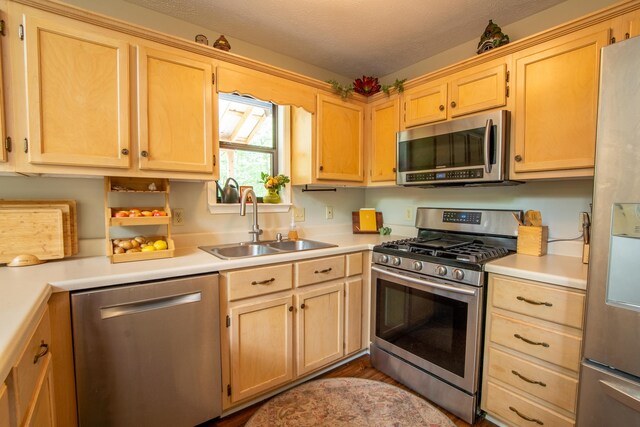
x=610 y=373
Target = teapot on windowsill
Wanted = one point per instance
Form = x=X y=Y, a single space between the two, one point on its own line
x=229 y=193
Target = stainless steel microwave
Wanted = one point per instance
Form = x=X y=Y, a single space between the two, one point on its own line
x=466 y=151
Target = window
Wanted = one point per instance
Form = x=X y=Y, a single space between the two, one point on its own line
x=248 y=140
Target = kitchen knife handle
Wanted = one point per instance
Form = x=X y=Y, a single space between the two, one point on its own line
x=530 y=301
x=528 y=341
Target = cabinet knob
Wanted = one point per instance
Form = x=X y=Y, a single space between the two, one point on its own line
x=321 y=168
x=144 y=153
x=394 y=170
x=125 y=151
x=291 y=308
x=518 y=158
x=453 y=104
x=302 y=306
x=441 y=108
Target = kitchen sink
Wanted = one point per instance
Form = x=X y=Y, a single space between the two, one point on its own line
x=270 y=247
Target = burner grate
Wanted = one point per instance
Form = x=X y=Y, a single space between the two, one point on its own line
x=470 y=251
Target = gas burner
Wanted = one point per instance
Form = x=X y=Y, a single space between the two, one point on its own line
x=473 y=251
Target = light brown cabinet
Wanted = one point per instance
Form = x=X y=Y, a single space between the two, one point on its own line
x=625 y=26
x=177 y=104
x=533 y=341
x=285 y=321
x=30 y=383
x=554 y=125
x=475 y=89
x=383 y=122
x=77 y=82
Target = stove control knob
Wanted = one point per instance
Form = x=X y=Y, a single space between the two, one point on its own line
x=384 y=259
x=417 y=266
x=396 y=261
x=458 y=274
x=441 y=270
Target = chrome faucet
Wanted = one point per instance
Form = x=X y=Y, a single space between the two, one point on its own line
x=255 y=228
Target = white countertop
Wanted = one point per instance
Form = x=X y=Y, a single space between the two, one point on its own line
x=555 y=269
x=25 y=290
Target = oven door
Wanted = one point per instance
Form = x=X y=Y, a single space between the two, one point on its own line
x=431 y=324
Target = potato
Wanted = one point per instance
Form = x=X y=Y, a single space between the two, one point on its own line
x=129 y=251
x=118 y=250
x=140 y=239
x=125 y=244
x=115 y=242
x=134 y=243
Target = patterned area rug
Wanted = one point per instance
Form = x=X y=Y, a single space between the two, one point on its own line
x=349 y=402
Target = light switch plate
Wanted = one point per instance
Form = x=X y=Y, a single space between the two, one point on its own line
x=298 y=214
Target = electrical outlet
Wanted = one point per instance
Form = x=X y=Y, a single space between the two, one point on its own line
x=408 y=213
x=178 y=216
x=298 y=214
x=328 y=212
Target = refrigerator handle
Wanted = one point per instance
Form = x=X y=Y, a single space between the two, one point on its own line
x=146 y=305
x=626 y=395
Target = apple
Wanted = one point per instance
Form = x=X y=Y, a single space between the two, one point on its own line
x=146 y=213
x=160 y=213
x=121 y=214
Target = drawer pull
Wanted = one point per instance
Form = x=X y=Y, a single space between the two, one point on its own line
x=524 y=417
x=547 y=304
x=44 y=349
x=326 y=270
x=520 y=337
x=264 y=282
x=522 y=377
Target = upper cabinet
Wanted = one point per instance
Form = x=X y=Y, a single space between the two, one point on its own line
x=475 y=89
x=340 y=135
x=77 y=81
x=176 y=109
x=625 y=26
x=554 y=126
x=383 y=122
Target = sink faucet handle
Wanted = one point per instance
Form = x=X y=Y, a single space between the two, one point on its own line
x=278 y=237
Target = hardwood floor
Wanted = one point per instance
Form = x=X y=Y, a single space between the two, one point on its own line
x=358 y=368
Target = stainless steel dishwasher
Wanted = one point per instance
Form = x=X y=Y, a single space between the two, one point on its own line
x=148 y=354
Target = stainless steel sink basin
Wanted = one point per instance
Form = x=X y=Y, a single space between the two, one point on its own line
x=248 y=249
x=298 y=245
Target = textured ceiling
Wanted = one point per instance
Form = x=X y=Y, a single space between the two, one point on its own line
x=351 y=37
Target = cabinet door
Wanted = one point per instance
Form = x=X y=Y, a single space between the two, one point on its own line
x=261 y=346
x=353 y=315
x=557 y=103
x=42 y=408
x=340 y=139
x=385 y=123
x=175 y=111
x=77 y=94
x=320 y=327
x=477 y=89
x=425 y=104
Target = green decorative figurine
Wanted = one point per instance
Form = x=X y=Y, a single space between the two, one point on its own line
x=492 y=37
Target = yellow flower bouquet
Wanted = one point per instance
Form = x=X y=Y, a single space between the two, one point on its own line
x=273 y=184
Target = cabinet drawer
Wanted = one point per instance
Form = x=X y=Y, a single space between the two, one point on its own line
x=555 y=305
x=319 y=270
x=519 y=411
x=534 y=379
x=28 y=370
x=546 y=344
x=258 y=281
x=354 y=264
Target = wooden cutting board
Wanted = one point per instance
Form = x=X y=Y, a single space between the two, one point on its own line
x=69 y=217
x=39 y=232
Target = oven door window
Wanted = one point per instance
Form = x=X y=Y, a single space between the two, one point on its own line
x=432 y=327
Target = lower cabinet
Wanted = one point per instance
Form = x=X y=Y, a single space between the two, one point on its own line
x=532 y=352
x=283 y=322
x=28 y=397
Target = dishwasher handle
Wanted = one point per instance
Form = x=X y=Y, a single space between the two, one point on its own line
x=148 y=305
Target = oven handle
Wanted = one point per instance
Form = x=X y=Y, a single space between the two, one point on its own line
x=487 y=146
x=425 y=282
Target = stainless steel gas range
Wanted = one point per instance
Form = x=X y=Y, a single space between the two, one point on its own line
x=428 y=302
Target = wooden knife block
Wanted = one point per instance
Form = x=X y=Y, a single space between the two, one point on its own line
x=532 y=240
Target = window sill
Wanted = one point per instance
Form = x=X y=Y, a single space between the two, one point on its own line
x=234 y=208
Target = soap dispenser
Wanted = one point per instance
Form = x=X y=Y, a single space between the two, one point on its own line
x=293 y=233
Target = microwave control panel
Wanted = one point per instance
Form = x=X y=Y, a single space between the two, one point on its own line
x=445 y=175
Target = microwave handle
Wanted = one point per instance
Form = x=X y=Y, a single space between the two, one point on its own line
x=487 y=146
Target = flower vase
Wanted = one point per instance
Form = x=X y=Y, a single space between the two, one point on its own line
x=272 y=197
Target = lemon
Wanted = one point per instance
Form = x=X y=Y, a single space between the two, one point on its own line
x=148 y=248
x=160 y=245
